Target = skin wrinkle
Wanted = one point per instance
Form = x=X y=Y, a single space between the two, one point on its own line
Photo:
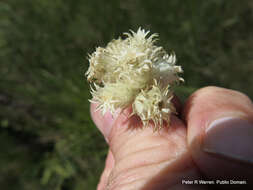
x=160 y=182
x=140 y=150
x=154 y=140
x=132 y=185
x=129 y=177
x=132 y=174
x=180 y=168
x=130 y=159
x=109 y=165
x=171 y=146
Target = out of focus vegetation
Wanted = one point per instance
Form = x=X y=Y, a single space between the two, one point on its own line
x=47 y=138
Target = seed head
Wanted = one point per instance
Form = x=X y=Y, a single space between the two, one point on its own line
x=134 y=72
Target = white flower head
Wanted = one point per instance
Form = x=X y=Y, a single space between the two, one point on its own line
x=134 y=72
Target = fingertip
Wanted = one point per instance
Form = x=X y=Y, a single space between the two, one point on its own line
x=103 y=122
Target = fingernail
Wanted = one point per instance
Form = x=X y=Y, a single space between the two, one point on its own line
x=231 y=138
x=107 y=122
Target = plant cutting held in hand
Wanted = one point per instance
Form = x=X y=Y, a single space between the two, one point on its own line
x=134 y=72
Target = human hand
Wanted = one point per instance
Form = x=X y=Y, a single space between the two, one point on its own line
x=212 y=138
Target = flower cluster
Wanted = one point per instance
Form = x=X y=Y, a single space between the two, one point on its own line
x=134 y=71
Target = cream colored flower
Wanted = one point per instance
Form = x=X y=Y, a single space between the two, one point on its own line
x=134 y=71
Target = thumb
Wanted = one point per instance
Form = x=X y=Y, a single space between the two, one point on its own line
x=220 y=133
x=144 y=159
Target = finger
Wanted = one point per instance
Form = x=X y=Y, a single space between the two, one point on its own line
x=220 y=132
x=105 y=122
x=109 y=165
x=148 y=160
x=145 y=159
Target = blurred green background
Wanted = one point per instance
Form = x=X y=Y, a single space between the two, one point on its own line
x=47 y=138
